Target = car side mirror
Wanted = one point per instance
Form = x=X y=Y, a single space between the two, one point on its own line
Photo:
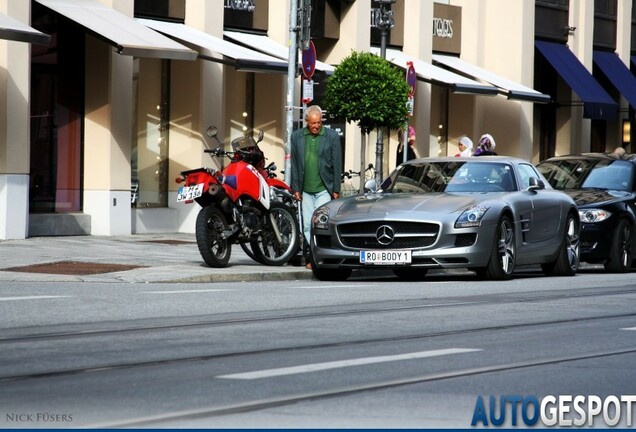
x=371 y=186
x=535 y=184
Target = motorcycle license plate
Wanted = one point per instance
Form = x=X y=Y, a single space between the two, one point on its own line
x=188 y=193
x=385 y=257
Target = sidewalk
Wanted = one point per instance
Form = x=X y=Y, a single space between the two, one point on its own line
x=135 y=258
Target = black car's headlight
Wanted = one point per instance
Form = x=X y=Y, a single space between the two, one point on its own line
x=471 y=217
x=320 y=218
x=593 y=215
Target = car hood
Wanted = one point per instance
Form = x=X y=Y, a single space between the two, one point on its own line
x=586 y=197
x=438 y=203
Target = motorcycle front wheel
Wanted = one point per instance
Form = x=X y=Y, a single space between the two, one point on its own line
x=279 y=242
x=210 y=225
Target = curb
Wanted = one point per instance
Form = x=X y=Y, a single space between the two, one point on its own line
x=245 y=277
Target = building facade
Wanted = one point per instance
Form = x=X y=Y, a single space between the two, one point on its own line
x=106 y=101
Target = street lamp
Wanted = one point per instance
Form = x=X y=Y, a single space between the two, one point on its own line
x=384 y=22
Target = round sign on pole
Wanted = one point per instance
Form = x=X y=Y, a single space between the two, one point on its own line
x=411 y=77
x=309 y=60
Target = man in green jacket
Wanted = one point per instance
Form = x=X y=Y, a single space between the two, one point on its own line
x=316 y=165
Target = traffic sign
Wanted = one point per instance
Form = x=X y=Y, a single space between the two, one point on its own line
x=309 y=60
x=411 y=77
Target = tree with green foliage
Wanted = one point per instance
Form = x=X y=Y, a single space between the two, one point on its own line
x=370 y=91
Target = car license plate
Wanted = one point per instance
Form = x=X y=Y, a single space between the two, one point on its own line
x=385 y=257
x=188 y=193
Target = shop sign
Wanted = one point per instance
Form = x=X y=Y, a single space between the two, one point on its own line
x=447 y=28
x=240 y=5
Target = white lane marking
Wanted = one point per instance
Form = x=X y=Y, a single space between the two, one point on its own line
x=329 y=286
x=629 y=328
x=266 y=373
x=185 y=291
x=41 y=297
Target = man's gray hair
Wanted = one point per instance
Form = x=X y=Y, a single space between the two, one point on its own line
x=313 y=109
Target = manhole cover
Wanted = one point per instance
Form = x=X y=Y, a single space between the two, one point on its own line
x=73 y=268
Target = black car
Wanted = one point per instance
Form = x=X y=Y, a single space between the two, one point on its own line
x=603 y=186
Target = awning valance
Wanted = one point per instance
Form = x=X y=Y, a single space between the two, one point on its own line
x=13 y=29
x=128 y=36
x=270 y=47
x=618 y=74
x=597 y=104
x=217 y=49
x=507 y=87
x=436 y=75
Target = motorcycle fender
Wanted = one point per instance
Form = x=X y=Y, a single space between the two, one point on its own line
x=263 y=196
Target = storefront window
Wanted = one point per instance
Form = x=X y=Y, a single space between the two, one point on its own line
x=57 y=101
x=149 y=158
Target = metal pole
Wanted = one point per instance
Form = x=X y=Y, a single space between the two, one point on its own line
x=379 y=145
x=385 y=23
x=291 y=81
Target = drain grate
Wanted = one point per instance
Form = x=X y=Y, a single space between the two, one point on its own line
x=73 y=268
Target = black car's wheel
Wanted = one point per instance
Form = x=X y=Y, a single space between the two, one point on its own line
x=620 y=258
x=209 y=228
x=410 y=274
x=280 y=242
x=330 y=274
x=502 y=257
x=567 y=262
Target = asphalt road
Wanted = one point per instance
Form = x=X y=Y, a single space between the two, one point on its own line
x=371 y=353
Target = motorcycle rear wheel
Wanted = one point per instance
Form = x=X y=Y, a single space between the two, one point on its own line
x=267 y=248
x=210 y=225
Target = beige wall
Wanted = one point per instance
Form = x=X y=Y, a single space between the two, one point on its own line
x=14 y=128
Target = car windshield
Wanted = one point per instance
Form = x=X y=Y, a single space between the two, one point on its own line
x=453 y=176
x=588 y=174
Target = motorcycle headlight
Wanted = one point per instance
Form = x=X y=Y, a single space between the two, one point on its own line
x=471 y=217
x=320 y=218
x=593 y=215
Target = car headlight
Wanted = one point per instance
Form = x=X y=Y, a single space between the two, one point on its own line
x=320 y=218
x=471 y=217
x=593 y=215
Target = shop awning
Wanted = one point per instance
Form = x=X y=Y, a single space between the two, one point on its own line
x=597 y=104
x=269 y=46
x=507 y=87
x=436 y=75
x=618 y=74
x=217 y=49
x=13 y=29
x=128 y=36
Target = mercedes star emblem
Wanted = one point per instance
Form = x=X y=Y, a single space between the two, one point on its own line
x=385 y=235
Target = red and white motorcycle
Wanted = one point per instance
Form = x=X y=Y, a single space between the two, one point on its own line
x=239 y=206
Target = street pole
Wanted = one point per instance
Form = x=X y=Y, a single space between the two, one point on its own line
x=291 y=82
x=384 y=23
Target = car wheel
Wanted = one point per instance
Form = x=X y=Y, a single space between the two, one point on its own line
x=330 y=274
x=502 y=256
x=620 y=259
x=410 y=274
x=567 y=262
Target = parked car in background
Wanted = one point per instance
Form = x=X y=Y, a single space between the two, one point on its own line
x=488 y=214
x=603 y=187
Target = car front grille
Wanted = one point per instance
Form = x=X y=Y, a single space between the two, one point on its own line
x=407 y=235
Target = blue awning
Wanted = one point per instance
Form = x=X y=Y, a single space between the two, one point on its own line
x=597 y=104
x=618 y=74
x=634 y=61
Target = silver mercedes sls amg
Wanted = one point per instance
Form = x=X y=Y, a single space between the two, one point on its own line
x=487 y=214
